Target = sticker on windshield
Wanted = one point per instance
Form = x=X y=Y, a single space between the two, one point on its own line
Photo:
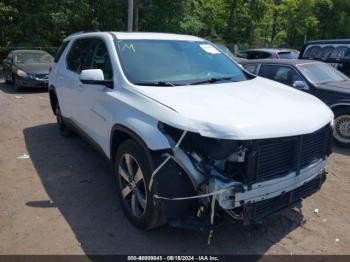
x=209 y=49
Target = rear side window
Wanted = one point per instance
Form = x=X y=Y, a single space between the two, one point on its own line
x=312 y=52
x=338 y=52
x=60 y=51
x=288 y=55
x=254 y=55
x=347 y=55
x=258 y=55
x=324 y=53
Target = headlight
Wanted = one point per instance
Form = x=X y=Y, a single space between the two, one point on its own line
x=21 y=73
x=213 y=148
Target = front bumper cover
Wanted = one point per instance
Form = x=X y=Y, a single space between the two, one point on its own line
x=238 y=195
x=253 y=213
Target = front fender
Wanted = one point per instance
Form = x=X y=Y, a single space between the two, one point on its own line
x=136 y=124
x=341 y=102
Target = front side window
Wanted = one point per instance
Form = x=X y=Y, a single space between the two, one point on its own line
x=101 y=60
x=283 y=74
x=80 y=55
x=175 y=61
x=320 y=73
x=89 y=53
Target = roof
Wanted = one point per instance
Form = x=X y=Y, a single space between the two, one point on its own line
x=330 y=41
x=140 y=35
x=279 y=61
x=269 y=49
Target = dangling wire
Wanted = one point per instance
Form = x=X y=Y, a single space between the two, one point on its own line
x=168 y=157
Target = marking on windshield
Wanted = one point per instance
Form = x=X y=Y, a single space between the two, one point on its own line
x=129 y=46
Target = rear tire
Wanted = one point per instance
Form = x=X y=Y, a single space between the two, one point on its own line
x=133 y=172
x=341 y=130
x=65 y=131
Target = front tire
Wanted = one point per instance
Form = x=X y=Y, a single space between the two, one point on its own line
x=7 y=77
x=65 y=131
x=133 y=171
x=16 y=83
x=341 y=130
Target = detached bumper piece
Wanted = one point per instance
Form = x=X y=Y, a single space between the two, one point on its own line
x=254 y=213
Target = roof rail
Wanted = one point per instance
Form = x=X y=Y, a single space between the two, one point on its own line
x=85 y=31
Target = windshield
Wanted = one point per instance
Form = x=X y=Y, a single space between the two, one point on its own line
x=33 y=58
x=319 y=73
x=175 y=62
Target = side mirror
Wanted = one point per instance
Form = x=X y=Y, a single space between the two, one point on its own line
x=300 y=85
x=94 y=77
x=7 y=61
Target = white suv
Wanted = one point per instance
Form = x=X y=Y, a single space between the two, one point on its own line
x=190 y=134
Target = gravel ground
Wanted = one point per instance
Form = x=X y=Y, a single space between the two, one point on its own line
x=61 y=200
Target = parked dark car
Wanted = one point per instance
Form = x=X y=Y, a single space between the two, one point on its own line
x=269 y=53
x=27 y=68
x=228 y=52
x=314 y=77
x=334 y=52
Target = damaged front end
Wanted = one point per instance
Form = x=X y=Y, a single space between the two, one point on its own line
x=248 y=179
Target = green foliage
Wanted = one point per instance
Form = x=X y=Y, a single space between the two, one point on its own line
x=257 y=23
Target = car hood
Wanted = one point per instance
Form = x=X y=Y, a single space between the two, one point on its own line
x=34 y=68
x=253 y=109
x=340 y=87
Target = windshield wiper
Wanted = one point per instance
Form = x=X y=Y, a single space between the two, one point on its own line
x=211 y=80
x=160 y=83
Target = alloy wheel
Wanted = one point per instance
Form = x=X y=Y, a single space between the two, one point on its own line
x=132 y=183
x=342 y=128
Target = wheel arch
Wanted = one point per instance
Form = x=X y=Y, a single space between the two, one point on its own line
x=121 y=133
x=337 y=106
